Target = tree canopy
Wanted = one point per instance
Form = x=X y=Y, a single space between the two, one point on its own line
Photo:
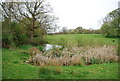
x=31 y=19
x=111 y=23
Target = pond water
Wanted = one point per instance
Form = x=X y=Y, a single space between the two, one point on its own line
x=50 y=46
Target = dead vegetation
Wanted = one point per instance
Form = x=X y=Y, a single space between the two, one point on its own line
x=75 y=56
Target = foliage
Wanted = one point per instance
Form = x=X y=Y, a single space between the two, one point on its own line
x=109 y=31
x=8 y=33
x=17 y=33
x=110 y=27
x=79 y=30
x=26 y=24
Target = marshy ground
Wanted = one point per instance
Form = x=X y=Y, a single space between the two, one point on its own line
x=71 y=62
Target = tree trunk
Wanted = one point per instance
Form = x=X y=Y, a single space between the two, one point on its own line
x=31 y=36
x=42 y=38
x=32 y=32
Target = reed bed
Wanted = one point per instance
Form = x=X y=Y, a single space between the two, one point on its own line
x=76 y=56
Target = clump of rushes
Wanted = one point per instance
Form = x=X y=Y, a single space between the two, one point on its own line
x=76 y=56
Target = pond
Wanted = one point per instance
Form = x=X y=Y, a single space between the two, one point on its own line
x=42 y=47
x=50 y=46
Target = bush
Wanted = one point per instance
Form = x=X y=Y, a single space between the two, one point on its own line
x=110 y=27
x=15 y=33
x=8 y=35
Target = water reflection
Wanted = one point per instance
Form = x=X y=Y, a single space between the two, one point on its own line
x=50 y=46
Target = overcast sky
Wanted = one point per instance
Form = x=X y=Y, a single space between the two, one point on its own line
x=85 y=13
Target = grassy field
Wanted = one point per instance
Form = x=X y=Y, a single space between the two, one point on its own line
x=14 y=67
x=71 y=40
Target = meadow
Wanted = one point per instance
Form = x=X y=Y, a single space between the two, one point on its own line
x=15 y=67
x=71 y=40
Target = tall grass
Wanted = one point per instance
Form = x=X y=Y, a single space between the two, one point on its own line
x=75 y=56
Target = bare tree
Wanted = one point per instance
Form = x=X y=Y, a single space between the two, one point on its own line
x=64 y=30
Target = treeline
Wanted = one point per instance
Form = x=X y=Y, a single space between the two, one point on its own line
x=15 y=33
x=80 y=30
x=74 y=31
x=26 y=22
x=110 y=26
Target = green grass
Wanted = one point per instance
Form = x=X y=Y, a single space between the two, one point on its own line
x=27 y=47
x=70 y=40
x=14 y=67
x=99 y=71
